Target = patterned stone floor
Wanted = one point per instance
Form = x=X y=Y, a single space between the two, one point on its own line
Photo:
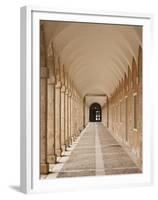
x=95 y=153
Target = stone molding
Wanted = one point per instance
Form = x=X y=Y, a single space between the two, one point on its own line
x=69 y=93
x=66 y=91
x=51 y=81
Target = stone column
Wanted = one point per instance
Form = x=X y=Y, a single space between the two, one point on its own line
x=43 y=104
x=80 y=127
x=51 y=120
x=57 y=119
x=63 y=136
x=86 y=115
x=66 y=118
x=78 y=117
x=81 y=114
x=84 y=118
x=72 y=119
x=107 y=112
x=74 y=116
x=43 y=121
x=69 y=119
x=73 y=110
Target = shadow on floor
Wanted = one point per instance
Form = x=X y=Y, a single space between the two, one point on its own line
x=15 y=187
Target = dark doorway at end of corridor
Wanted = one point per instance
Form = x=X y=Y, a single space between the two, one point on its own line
x=95 y=114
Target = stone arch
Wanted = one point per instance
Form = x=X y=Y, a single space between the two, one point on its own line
x=125 y=82
x=134 y=73
x=95 y=113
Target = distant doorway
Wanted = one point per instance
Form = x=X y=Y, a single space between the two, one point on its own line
x=95 y=114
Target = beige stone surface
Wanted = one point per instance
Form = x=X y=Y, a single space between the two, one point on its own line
x=77 y=59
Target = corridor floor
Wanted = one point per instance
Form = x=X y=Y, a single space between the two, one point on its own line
x=95 y=152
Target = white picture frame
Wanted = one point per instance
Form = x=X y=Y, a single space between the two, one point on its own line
x=30 y=182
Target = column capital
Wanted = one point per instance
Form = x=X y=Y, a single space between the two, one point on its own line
x=44 y=72
x=66 y=91
x=58 y=85
x=51 y=80
x=63 y=89
x=69 y=93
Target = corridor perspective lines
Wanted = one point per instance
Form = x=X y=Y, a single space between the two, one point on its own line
x=97 y=153
x=90 y=98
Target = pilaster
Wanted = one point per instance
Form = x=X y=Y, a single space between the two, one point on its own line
x=66 y=117
x=63 y=136
x=44 y=168
x=57 y=119
x=51 y=120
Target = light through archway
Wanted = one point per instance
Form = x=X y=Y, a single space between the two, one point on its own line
x=95 y=113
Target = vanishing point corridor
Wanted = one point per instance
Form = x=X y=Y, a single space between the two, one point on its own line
x=90 y=99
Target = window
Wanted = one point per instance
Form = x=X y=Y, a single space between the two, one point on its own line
x=97 y=115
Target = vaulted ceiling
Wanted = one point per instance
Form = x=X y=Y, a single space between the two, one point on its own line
x=96 y=56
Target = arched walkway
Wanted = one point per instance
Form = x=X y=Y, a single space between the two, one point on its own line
x=90 y=99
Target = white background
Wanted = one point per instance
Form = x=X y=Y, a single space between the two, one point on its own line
x=10 y=97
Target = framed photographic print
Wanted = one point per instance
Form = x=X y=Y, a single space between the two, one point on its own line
x=85 y=93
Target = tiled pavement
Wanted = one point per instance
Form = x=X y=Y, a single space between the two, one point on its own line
x=96 y=153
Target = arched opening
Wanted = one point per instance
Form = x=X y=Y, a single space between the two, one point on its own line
x=95 y=114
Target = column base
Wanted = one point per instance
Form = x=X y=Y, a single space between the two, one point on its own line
x=66 y=147
x=66 y=144
x=78 y=133
x=58 y=152
x=73 y=138
x=51 y=159
x=69 y=142
x=44 y=168
x=62 y=148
